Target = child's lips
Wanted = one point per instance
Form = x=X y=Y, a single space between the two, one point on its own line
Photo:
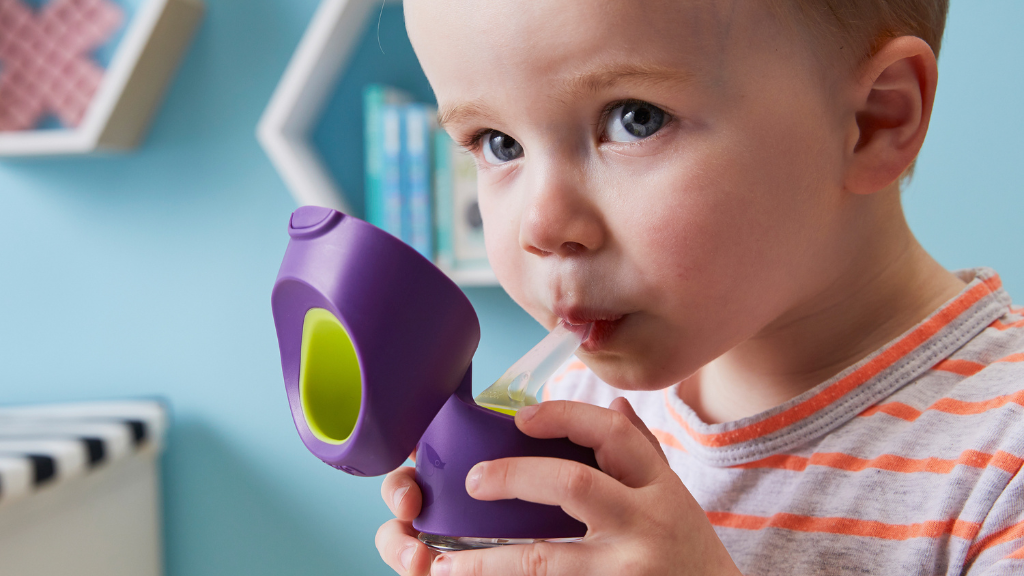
x=601 y=334
x=604 y=325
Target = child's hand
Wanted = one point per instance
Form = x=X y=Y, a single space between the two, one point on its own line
x=640 y=518
x=396 y=539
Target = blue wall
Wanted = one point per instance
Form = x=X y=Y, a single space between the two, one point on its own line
x=150 y=274
x=384 y=56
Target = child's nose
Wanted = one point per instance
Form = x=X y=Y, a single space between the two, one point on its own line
x=560 y=218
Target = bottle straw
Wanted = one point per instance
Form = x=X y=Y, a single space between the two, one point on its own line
x=518 y=386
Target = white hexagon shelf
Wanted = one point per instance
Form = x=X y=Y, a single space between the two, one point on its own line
x=143 y=62
x=308 y=130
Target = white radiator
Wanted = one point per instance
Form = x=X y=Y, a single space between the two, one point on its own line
x=79 y=489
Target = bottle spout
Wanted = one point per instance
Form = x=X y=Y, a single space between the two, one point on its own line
x=519 y=385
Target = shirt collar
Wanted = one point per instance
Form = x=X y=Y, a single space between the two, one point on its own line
x=839 y=399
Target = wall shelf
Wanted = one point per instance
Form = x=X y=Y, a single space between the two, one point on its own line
x=307 y=129
x=132 y=87
x=285 y=129
x=473 y=278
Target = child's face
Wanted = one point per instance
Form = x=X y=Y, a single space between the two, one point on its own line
x=671 y=173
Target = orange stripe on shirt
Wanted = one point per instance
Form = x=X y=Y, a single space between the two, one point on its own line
x=1008 y=534
x=1002 y=460
x=779 y=462
x=847 y=526
x=970 y=368
x=946 y=405
x=667 y=439
x=1003 y=326
x=962 y=367
x=897 y=409
x=575 y=366
x=869 y=370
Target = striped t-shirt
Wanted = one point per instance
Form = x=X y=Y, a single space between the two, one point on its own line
x=908 y=462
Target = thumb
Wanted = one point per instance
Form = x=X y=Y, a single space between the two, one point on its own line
x=622 y=406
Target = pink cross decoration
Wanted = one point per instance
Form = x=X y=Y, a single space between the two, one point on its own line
x=45 y=63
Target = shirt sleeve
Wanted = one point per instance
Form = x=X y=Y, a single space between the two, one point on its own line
x=998 y=549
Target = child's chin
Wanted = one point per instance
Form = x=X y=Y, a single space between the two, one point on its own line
x=627 y=373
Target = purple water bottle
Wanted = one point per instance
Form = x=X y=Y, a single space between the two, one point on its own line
x=376 y=348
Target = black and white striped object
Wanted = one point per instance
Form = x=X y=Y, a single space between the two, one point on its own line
x=43 y=444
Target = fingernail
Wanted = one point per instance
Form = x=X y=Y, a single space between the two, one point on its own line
x=527 y=412
x=473 y=480
x=406 y=556
x=396 y=499
x=442 y=566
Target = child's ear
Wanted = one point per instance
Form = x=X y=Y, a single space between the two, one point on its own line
x=893 y=101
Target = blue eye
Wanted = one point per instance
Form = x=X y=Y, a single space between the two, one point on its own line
x=500 y=147
x=634 y=121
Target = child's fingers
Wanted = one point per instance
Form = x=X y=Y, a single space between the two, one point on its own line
x=585 y=493
x=622 y=406
x=519 y=560
x=621 y=449
x=400 y=549
x=401 y=493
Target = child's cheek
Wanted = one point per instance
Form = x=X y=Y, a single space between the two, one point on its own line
x=507 y=259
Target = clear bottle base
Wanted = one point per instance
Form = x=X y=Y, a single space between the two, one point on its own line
x=453 y=543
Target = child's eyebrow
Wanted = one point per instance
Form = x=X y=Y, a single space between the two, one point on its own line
x=597 y=81
x=579 y=86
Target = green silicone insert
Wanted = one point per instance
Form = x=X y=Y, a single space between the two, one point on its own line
x=330 y=383
x=508 y=411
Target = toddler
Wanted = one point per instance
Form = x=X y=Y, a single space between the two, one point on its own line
x=794 y=386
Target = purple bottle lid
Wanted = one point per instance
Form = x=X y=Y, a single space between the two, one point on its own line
x=374 y=339
x=376 y=350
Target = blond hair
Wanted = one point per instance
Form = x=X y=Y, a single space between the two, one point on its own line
x=856 y=29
